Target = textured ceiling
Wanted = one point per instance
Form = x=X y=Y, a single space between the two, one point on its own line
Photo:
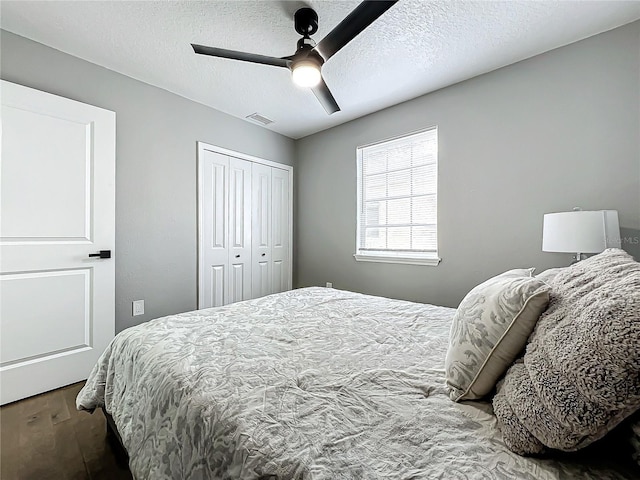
x=414 y=48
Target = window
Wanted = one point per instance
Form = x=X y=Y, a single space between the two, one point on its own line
x=398 y=200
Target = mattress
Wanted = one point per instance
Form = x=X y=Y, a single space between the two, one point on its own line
x=310 y=384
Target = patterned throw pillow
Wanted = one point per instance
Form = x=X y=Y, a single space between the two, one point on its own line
x=490 y=329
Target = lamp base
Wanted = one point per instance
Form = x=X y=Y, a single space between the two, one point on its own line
x=577 y=257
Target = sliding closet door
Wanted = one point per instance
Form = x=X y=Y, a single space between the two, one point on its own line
x=214 y=254
x=280 y=261
x=239 y=230
x=261 y=221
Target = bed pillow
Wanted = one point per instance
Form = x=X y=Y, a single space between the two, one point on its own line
x=548 y=275
x=580 y=375
x=490 y=329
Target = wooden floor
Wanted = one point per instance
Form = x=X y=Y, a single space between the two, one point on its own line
x=45 y=437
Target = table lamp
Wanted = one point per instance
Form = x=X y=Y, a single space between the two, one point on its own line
x=580 y=232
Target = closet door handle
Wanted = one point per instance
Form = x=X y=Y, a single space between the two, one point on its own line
x=263 y=254
x=101 y=254
x=237 y=256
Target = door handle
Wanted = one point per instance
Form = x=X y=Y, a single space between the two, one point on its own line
x=101 y=254
x=237 y=256
x=263 y=254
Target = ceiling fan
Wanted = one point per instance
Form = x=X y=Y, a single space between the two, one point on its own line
x=306 y=63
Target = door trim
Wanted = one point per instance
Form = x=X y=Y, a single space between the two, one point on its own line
x=203 y=147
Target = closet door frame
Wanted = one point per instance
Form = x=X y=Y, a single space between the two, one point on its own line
x=201 y=148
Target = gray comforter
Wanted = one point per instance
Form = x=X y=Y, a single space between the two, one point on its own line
x=309 y=384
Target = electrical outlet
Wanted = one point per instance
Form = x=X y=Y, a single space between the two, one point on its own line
x=329 y=285
x=138 y=307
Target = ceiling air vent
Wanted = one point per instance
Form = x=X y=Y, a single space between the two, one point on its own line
x=257 y=118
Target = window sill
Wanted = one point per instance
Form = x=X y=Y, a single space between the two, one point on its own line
x=431 y=261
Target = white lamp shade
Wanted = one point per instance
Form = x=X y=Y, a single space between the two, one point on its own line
x=581 y=231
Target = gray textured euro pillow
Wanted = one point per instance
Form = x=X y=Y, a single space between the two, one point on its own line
x=490 y=329
x=580 y=375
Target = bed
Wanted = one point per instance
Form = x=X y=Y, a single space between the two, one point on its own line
x=314 y=383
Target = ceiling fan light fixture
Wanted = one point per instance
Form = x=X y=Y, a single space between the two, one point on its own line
x=306 y=73
x=305 y=64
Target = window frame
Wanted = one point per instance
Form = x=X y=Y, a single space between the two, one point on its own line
x=405 y=257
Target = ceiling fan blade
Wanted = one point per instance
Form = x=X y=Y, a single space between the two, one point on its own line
x=364 y=15
x=245 y=57
x=324 y=96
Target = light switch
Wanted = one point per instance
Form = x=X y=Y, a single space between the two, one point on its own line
x=138 y=307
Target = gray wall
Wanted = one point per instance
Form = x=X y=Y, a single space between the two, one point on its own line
x=156 y=239
x=555 y=131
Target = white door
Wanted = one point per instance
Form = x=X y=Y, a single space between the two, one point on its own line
x=57 y=311
x=261 y=224
x=213 y=272
x=239 y=230
x=281 y=229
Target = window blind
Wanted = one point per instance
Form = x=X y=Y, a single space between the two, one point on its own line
x=398 y=196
